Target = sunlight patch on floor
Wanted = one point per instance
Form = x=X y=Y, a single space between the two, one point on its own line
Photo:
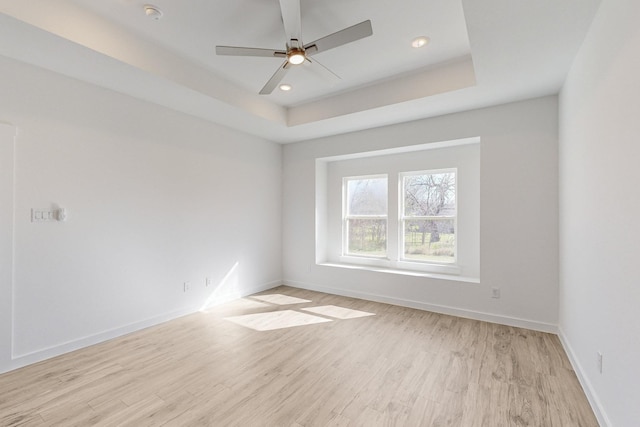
x=338 y=312
x=280 y=299
x=241 y=304
x=276 y=320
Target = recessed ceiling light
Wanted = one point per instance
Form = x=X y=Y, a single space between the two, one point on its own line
x=152 y=12
x=420 y=41
x=286 y=87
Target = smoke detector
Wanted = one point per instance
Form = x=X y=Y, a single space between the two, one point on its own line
x=152 y=12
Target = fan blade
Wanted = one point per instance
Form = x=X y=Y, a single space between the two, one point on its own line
x=249 y=51
x=290 y=10
x=275 y=79
x=323 y=71
x=348 y=35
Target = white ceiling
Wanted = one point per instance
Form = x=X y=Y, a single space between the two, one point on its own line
x=481 y=53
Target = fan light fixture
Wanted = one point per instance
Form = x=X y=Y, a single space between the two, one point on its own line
x=420 y=41
x=295 y=57
x=296 y=52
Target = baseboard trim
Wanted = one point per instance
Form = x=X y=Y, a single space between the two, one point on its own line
x=442 y=309
x=21 y=360
x=592 y=397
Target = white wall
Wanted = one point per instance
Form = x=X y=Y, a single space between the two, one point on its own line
x=518 y=216
x=154 y=199
x=600 y=212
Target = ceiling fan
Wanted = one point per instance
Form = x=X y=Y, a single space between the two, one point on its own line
x=297 y=52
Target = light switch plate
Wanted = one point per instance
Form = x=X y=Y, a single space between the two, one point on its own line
x=42 y=215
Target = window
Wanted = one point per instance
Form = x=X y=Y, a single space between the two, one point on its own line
x=428 y=216
x=411 y=210
x=365 y=216
x=426 y=223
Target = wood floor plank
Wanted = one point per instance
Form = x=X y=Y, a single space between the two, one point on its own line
x=399 y=367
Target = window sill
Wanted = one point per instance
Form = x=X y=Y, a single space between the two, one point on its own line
x=401 y=272
x=400 y=265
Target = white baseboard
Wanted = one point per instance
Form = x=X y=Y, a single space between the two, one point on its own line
x=594 y=401
x=442 y=309
x=21 y=360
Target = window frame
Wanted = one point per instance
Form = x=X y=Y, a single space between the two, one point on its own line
x=402 y=218
x=346 y=216
x=462 y=154
x=394 y=251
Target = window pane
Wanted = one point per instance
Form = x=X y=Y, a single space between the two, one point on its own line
x=367 y=237
x=367 y=196
x=430 y=194
x=429 y=240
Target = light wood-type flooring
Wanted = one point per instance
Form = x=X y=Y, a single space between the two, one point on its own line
x=348 y=362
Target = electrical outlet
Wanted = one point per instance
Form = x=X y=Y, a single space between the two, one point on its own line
x=599 y=361
x=495 y=292
x=207 y=281
x=187 y=286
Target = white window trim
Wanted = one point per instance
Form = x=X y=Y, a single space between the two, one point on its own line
x=397 y=261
